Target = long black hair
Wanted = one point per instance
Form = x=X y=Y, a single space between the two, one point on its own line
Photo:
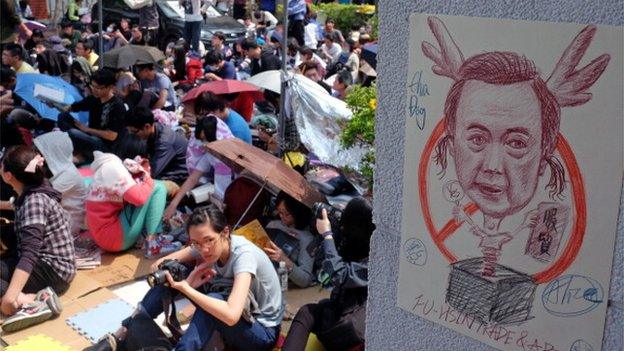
x=179 y=62
x=299 y=211
x=357 y=228
x=206 y=125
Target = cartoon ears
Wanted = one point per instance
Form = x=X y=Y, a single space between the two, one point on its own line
x=449 y=59
x=569 y=87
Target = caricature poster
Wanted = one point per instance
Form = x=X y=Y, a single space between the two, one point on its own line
x=513 y=171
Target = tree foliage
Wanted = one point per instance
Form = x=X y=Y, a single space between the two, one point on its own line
x=360 y=129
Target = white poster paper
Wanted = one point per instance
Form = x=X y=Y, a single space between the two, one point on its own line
x=512 y=178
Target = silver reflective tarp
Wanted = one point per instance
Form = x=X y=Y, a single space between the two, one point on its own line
x=318 y=116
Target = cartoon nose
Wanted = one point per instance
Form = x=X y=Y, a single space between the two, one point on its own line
x=493 y=162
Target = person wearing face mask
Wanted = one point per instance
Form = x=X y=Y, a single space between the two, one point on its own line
x=217 y=68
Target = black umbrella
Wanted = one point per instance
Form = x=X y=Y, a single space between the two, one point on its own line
x=130 y=55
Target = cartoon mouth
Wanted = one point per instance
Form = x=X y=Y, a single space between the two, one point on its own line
x=489 y=189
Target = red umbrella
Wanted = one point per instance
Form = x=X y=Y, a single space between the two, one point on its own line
x=226 y=86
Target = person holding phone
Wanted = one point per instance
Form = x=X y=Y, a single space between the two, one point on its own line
x=106 y=113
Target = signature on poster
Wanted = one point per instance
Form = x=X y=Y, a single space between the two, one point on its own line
x=581 y=345
x=418 y=89
x=572 y=295
x=415 y=252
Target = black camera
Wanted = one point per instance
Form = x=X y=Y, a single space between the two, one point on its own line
x=333 y=214
x=177 y=270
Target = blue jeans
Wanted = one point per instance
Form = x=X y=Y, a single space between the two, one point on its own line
x=192 y=32
x=242 y=336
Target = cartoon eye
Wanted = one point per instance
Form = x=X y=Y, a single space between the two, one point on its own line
x=477 y=140
x=517 y=144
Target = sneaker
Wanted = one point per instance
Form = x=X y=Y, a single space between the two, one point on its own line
x=48 y=296
x=30 y=314
x=106 y=343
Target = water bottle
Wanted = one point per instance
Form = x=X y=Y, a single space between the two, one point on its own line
x=283 y=275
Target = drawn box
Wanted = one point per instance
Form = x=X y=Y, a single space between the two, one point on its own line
x=545 y=238
x=504 y=298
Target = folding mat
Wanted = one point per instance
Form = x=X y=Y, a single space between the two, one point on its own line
x=104 y=318
x=38 y=342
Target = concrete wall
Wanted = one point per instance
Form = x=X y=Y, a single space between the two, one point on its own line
x=389 y=327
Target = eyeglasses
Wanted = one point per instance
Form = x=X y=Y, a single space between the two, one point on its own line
x=207 y=244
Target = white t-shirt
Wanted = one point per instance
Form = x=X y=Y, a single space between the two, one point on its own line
x=310 y=36
x=265 y=284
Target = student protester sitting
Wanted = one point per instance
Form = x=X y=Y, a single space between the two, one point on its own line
x=217 y=68
x=123 y=200
x=219 y=45
x=339 y=321
x=186 y=70
x=239 y=272
x=330 y=50
x=209 y=103
x=341 y=84
x=68 y=32
x=198 y=161
x=45 y=264
x=137 y=36
x=106 y=113
x=292 y=242
x=310 y=69
x=166 y=149
x=159 y=84
x=13 y=56
x=56 y=147
x=84 y=48
x=261 y=59
x=128 y=89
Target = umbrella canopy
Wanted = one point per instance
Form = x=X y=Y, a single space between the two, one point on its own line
x=369 y=54
x=41 y=90
x=269 y=80
x=239 y=156
x=226 y=86
x=129 y=55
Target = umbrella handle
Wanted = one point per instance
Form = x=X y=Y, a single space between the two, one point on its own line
x=250 y=204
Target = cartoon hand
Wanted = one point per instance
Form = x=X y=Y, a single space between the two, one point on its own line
x=531 y=219
x=459 y=214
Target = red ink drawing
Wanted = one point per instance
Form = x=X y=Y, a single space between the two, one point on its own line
x=501 y=131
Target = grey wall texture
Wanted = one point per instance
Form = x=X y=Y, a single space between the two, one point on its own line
x=389 y=327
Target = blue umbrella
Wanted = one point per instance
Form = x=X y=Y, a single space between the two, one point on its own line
x=63 y=91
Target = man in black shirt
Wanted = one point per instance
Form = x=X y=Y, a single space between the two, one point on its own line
x=106 y=116
x=261 y=59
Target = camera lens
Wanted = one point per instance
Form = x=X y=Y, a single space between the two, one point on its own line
x=157 y=278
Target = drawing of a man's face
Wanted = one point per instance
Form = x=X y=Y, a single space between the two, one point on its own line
x=497 y=145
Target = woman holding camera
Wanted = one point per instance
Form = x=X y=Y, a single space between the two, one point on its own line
x=292 y=242
x=247 y=314
x=339 y=321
